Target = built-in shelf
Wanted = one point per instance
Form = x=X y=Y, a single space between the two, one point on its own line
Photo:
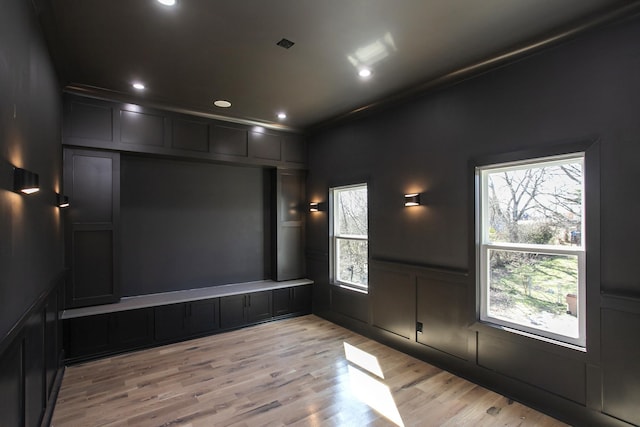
x=153 y=300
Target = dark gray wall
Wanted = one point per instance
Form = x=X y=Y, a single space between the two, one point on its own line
x=31 y=254
x=189 y=224
x=31 y=251
x=584 y=91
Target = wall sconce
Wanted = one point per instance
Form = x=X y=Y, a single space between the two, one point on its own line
x=317 y=206
x=25 y=182
x=63 y=201
x=412 y=199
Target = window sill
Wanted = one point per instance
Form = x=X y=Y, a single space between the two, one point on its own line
x=350 y=288
x=480 y=326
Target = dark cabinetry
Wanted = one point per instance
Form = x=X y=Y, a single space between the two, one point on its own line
x=292 y=300
x=108 y=333
x=245 y=309
x=98 y=335
x=109 y=125
x=92 y=182
x=177 y=321
x=288 y=228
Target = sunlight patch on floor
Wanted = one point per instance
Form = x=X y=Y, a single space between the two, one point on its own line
x=362 y=359
x=368 y=389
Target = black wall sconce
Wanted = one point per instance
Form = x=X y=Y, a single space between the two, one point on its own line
x=317 y=207
x=25 y=182
x=62 y=201
x=412 y=199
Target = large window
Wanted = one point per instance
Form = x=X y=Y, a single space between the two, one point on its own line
x=531 y=252
x=349 y=236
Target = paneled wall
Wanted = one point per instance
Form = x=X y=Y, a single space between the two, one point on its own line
x=123 y=127
x=422 y=260
x=163 y=202
x=31 y=232
x=31 y=363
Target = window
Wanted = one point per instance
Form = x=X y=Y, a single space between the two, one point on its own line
x=349 y=239
x=531 y=252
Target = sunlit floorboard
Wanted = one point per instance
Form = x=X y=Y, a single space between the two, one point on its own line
x=296 y=372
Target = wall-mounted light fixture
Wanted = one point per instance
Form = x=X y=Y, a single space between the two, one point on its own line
x=63 y=201
x=412 y=199
x=317 y=206
x=25 y=182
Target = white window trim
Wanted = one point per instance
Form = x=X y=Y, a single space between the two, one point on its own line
x=483 y=246
x=334 y=237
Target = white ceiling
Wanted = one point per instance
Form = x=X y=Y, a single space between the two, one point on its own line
x=203 y=50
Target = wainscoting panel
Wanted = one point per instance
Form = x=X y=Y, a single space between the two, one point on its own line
x=31 y=358
x=533 y=365
x=621 y=357
x=444 y=313
x=393 y=300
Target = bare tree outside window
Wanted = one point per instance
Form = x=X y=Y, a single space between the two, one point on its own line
x=350 y=244
x=532 y=253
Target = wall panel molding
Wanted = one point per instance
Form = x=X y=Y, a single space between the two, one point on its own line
x=31 y=356
x=129 y=128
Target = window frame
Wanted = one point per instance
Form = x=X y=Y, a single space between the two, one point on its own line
x=335 y=237
x=484 y=245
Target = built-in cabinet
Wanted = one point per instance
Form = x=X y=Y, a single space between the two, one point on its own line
x=92 y=182
x=240 y=310
x=291 y=300
x=108 y=333
x=176 y=321
x=96 y=132
x=124 y=127
x=288 y=224
x=96 y=335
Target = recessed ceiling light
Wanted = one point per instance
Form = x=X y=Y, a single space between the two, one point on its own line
x=364 y=73
x=138 y=86
x=282 y=116
x=167 y=2
x=222 y=103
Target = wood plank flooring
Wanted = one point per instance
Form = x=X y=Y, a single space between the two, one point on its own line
x=303 y=371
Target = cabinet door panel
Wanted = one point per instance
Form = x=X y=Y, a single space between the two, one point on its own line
x=289 y=225
x=302 y=297
x=92 y=266
x=132 y=328
x=169 y=321
x=92 y=182
x=258 y=306
x=204 y=316
x=281 y=301
x=232 y=311
x=87 y=335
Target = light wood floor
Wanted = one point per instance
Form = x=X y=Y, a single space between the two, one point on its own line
x=296 y=372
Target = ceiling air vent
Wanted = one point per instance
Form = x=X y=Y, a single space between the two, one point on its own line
x=285 y=43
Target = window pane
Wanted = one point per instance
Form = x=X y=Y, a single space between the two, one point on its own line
x=536 y=204
x=351 y=211
x=351 y=261
x=534 y=290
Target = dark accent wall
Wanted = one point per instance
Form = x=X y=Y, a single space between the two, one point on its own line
x=422 y=266
x=30 y=116
x=189 y=225
x=31 y=252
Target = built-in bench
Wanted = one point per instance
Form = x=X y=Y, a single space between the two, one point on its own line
x=149 y=320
